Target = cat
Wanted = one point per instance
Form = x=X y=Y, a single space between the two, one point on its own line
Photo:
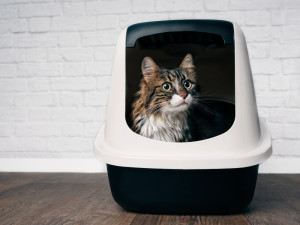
x=163 y=102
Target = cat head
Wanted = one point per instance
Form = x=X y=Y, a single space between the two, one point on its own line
x=169 y=90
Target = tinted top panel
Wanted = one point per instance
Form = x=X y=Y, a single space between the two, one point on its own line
x=219 y=27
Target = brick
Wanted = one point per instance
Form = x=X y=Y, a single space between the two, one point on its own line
x=266 y=66
x=279 y=83
x=257 y=50
x=179 y=5
x=70 y=54
x=126 y=19
x=98 y=68
x=13 y=85
x=291 y=66
x=74 y=69
x=38 y=84
x=277 y=17
x=71 y=144
x=8 y=12
x=263 y=111
x=261 y=83
x=272 y=94
x=4 y=27
x=10 y=56
x=10 y=145
x=39 y=10
x=103 y=82
x=286 y=147
x=33 y=55
x=143 y=6
x=291 y=32
x=254 y=4
x=11 y=114
x=107 y=37
x=6 y=41
x=92 y=129
x=74 y=114
x=269 y=101
x=282 y=50
x=291 y=4
x=8 y=70
x=34 y=144
x=290 y=115
x=40 y=114
x=108 y=7
x=104 y=53
x=257 y=34
x=72 y=129
x=36 y=99
x=276 y=33
x=17 y=25
x=73 y=84
x=74 y=24
x=237 y=17
x=7 y=100
x=259 y=18
x=107 y=21
x=73 y=8
x=180 y=15
x=277 y=114
x=101 y=113
x=7 y=130
x=39 y=24
x=291 y=131
x=71 y=99
x=276 y=130
x=36 y=40
x=216 y=5
x=285 y=17
x=294 y=82
x=293 y=99
x=98 y=98
x=71 y=39
x=39 y=69
x=38 y=130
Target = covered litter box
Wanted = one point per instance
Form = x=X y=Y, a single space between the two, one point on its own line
x=211 y=164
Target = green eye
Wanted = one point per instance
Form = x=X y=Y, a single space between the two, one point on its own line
x=187 y=84
x=167 y=86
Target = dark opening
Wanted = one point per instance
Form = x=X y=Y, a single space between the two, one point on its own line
x=214 y=61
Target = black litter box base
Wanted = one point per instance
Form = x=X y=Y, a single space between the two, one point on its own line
x=173 y=191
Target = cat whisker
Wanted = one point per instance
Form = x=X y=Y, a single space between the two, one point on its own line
x=205 y=106
x=207 y=92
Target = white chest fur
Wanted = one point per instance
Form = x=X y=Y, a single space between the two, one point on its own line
x=170 y=127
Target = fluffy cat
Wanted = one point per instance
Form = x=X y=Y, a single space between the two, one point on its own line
x=164 y=100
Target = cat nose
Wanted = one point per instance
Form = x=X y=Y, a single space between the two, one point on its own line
x=183 y=95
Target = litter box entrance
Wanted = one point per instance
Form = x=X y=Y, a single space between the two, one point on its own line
x=180 y=61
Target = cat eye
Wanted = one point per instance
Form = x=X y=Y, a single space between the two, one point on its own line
x=166 y=86
x=187 y=84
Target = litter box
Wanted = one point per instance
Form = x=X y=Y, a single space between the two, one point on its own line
x=214 y=172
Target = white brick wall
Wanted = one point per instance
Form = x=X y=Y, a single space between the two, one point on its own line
x=56 y=57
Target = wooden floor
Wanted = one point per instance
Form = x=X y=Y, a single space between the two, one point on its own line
x=35 y=198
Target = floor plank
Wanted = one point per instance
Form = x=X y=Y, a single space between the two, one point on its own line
x=276 y=200
x=10 y=180
x=49 y=198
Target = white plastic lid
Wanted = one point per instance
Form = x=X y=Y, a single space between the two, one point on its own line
x=245 y=144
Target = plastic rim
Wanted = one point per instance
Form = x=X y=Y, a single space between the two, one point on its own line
x=263 y=151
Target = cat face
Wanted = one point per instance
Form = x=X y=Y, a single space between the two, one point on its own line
x=169 y=90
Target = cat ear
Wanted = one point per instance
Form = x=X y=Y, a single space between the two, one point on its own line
x=148 y=67
x=187 y=62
